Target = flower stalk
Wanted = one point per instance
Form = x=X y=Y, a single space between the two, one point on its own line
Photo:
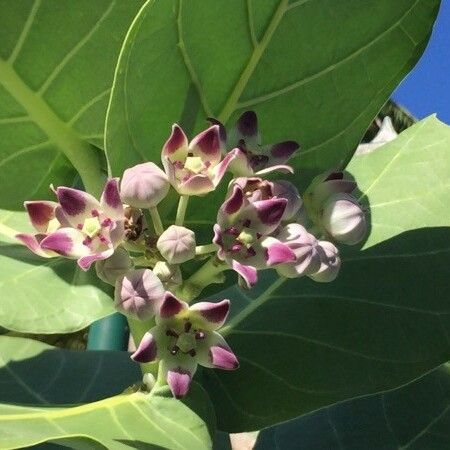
x=156 y=219
x=181 y=210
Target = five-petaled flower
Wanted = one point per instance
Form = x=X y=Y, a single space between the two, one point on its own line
x=77 y=226
x=249 y=214
x=253 y=158
x=195 y=168
x=184 y=337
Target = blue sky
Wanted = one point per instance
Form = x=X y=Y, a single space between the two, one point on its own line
x=426 y=89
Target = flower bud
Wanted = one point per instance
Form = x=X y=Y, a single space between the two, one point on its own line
x=330 y=263
x=117 y=265
x=344 y=219
x=177 y=244
x=144 y=185
x=169 y=274
x=284 y=189
x=139 y=294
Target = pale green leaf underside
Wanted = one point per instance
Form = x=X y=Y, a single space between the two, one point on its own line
x=184 y=61
x=116 y=423
x=45 y=295
x=56 y=65
x=414 y=417
x=383 y=322
x=408 y=177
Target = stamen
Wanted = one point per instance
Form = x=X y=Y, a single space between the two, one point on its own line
x=247 y=223
x=192 y=352
x=187 y=327
x=236 y=248
x=95 y=213
x=80 y=226
x=251 y=252
x=107 y=222
x=232 y=231
x=87 y=241
x=172 y=333
x=199 y=335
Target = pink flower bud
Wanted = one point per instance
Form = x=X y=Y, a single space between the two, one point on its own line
x=139 y=294
x=144 y=185
x=330 y=263
x=344 y=219
x=117 y=265
x=177 y=244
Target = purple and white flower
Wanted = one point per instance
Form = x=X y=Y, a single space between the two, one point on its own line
x=184 y=337
x=248 y=215
x=253 y=158
x=195 y=168
x=78 y=226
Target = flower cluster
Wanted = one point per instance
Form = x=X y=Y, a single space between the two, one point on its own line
x=262 y=224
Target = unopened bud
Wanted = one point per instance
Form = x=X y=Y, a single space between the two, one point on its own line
x=139 y=294
x=177 y=244
x=330 y=263
x=117 y=265
x=144 y=185
x=344 y=219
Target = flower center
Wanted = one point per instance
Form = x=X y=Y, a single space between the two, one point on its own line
x=91 y=226
x=184 y=341
x=194 y=164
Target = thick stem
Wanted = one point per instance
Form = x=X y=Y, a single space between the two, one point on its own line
x=137 y=329
x=156 y=219
x=209 y=273
x=181 y=210
x=204 y=249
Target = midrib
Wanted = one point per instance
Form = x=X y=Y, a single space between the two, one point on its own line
x=79 y=152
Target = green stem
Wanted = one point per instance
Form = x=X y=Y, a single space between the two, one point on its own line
x=137 y=329
x=181 y=210
x=156 y=219
x=204 y=249
x=209 y=273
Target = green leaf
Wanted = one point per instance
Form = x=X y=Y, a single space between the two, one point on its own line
x=383 y=322
x=45 y=295
x=32 y=372
x=57 y=60
x=406 y=183
x=184 y=61
x=35 y=372
x=414 y=417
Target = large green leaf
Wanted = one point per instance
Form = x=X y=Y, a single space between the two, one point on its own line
x=314 y=70
x=45 y=295
x=383 y=322
x=414 y=417
x=32 y=372
x=57 y=61
x=36 y=373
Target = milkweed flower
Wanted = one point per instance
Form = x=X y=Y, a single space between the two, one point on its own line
x=253 y=158
x=195 y=168
x=185 y=337
x=244 y=220
x=78 y=226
